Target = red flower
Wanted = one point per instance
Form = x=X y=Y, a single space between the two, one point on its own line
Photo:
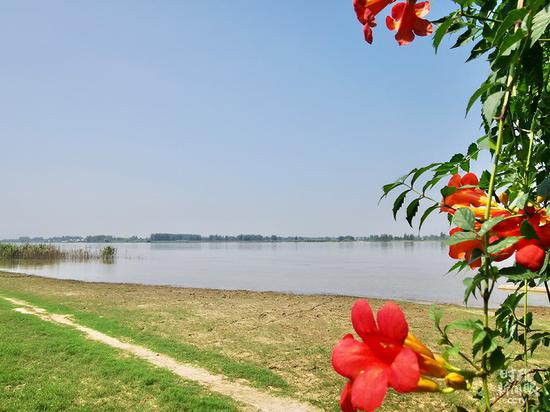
x=502 y=254
x=464 y=250
x=530 y=252
x=464 y=196
x=509 y=226
x=539 y=222
x=380 y=361
x=366 y=11
x=530 y=255
x=406 y=19
x=345 y=399
x=368 y=25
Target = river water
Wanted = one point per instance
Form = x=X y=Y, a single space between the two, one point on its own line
x=391 y=270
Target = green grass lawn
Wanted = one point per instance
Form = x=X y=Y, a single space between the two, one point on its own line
x=47 y=367
x=256 y=375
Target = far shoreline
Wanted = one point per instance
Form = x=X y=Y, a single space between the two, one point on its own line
x=225 y=241
x=264 y=293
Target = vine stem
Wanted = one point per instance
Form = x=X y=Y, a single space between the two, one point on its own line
x=547 y=290
x=487 y=261
x=491 y=192
x=525 y=283
x=478 y=18
x=525 y=328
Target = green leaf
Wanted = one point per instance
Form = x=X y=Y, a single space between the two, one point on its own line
x=527 y=231
x=451 y=352
x=465 y=324
x=456 y=26
x=432 y=182
x=477 y=94
x=489 y=345
x=458 y=266
x=448 y=190
x=489 y=224
x=513 y=270
x=464 y=218
x=411 y=210
x=389 y=187
x=529 y=319
x=503 y=244
x=420 y=171
x=517 y=273
x=460 y=237
x=480 y=48
x=540 y=23
x=491 y=106
x=476 y=255
x=442 y=30
x=543 y=189
x=526 y=276
x=520 y=201
x=510 y=20
x=436 y=314
x=478 y=337
x=484 y=142
x=471 y=285
x=484 y=180
x=497 y=359
x=533 y=61
x=399 y=202
x=465 y=37
x=511 y=43
x=427 y=213
x=457 y=158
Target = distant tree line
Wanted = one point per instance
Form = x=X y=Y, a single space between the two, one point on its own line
x=187 y=237
x=76 y=239
x=388 y=238
x=174 y=237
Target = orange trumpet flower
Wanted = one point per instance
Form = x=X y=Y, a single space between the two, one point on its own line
x=407 y=19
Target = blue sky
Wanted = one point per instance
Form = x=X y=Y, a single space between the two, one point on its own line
x=132 y=117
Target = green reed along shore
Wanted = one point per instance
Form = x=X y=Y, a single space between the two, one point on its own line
x=30 y=251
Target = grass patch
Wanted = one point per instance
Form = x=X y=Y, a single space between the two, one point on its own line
x=258 y=376
x=46 y=367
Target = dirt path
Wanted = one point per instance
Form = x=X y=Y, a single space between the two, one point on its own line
x=253 y=398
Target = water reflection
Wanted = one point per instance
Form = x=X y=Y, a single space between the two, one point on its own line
x=27 y=263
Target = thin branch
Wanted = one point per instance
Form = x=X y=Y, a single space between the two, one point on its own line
x=471 y=16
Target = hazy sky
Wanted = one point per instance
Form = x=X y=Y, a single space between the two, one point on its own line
x=132 y=117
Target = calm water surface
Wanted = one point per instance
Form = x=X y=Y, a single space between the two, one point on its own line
x=397 y=270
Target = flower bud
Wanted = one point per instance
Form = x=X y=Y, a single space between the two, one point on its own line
x=455 y=381
x=427 y=385
x=429 y=364
x=417 y=346
x=432 y=366
x=503 y=198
